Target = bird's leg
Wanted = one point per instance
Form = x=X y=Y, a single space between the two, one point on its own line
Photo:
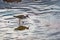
x=19 y=23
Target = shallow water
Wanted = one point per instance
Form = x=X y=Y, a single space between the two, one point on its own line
x=43 y=22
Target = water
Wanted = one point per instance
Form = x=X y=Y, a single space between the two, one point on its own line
x=43 y=22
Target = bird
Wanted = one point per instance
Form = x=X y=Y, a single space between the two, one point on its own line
x=21 y=16
x=10 y=1
x=21 y=27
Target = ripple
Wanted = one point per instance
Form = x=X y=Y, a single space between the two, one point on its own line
x=41 y=15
